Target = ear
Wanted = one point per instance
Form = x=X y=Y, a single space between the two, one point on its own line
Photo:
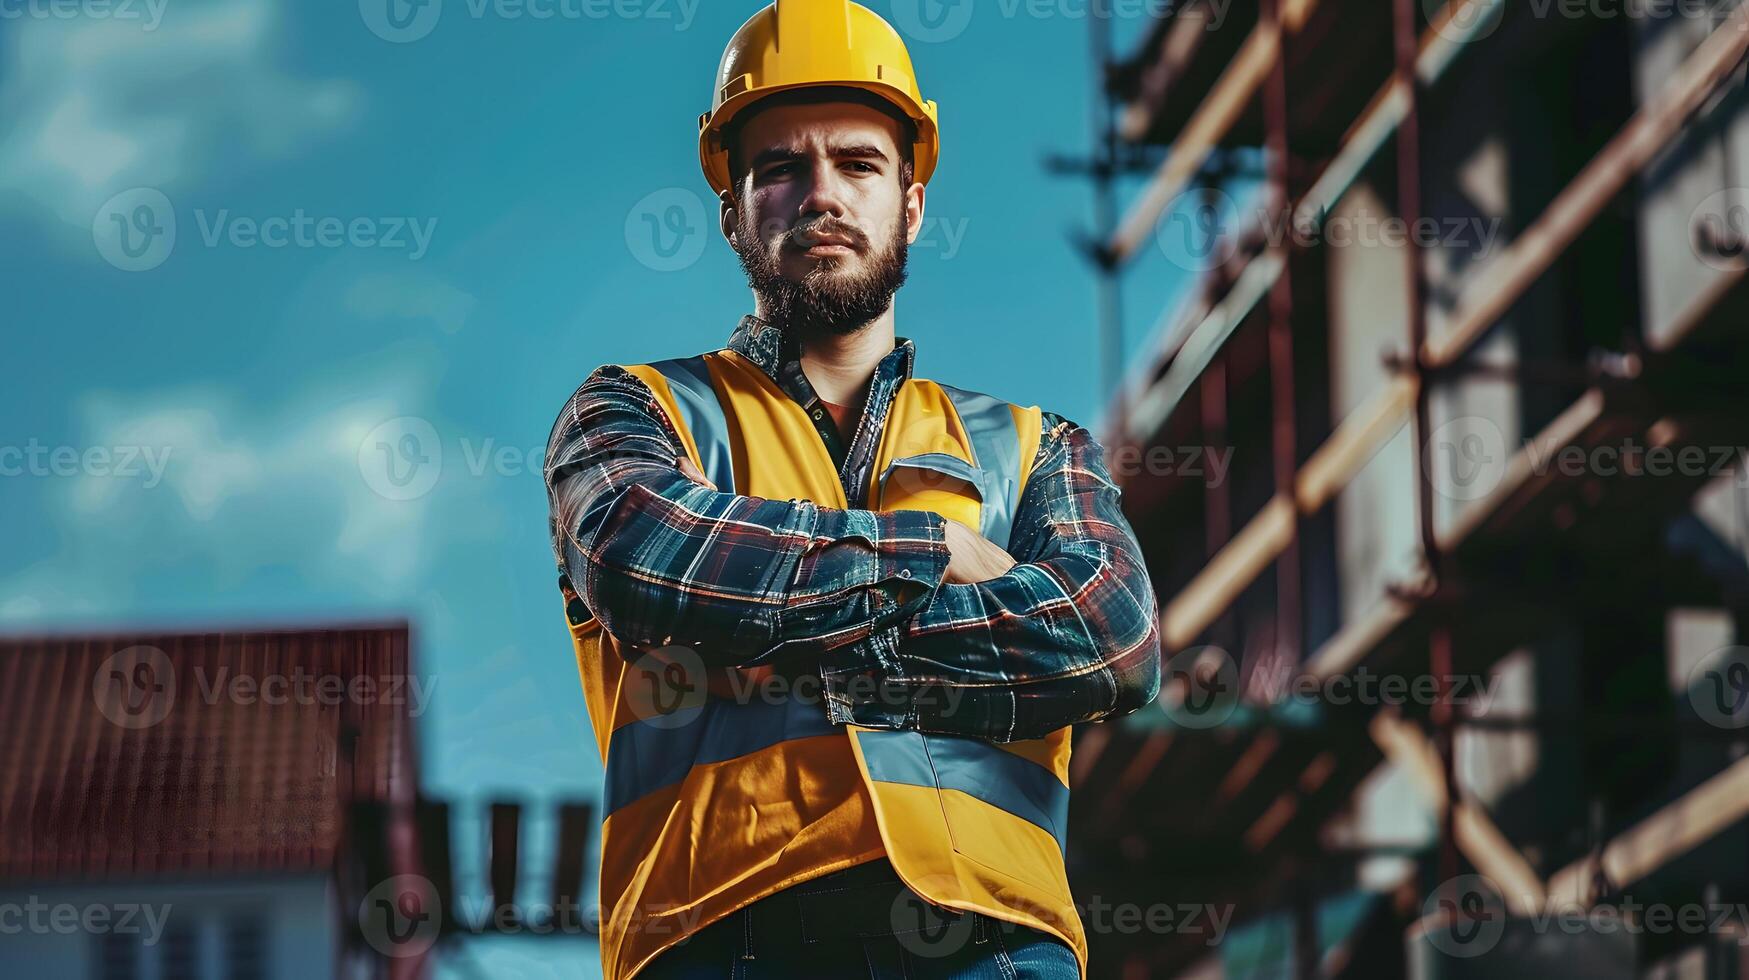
x=727 y=219
x=914 y=200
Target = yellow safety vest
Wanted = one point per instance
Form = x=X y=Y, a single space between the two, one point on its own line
x=707 y=812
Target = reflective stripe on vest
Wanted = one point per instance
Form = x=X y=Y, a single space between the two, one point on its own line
x=996 y=453
x=690 y=381
x=654 y=753
x=1022 y=787
x=715 y=805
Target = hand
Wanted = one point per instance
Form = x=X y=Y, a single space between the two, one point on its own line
x=974 y=558
x=691 y=471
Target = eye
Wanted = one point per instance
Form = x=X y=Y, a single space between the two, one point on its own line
x=865 y=166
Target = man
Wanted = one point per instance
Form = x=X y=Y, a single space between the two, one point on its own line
x=833 y=621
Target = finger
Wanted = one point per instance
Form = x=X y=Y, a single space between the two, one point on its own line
x=690 y=470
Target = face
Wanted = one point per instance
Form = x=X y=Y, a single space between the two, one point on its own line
x=822 y=224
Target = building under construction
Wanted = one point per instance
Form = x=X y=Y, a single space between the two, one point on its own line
x=1451 y=634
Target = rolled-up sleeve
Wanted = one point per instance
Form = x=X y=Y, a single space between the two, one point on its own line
x=1070 y=634
x=661 y=560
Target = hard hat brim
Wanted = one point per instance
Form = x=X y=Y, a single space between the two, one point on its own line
x=714 y=155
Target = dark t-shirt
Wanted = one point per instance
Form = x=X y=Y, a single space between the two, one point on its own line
x=846 y=418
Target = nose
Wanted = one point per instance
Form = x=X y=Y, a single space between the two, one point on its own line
x=826 y=190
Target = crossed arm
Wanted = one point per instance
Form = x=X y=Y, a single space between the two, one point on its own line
x=1068 y=635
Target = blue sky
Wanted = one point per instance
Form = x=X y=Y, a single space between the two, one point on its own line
x=435 y=240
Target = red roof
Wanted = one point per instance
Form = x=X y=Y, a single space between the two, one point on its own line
x=198 y=754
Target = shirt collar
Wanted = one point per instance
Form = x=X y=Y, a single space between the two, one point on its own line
x=776 y=353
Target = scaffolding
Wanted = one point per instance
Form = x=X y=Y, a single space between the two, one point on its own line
x=1610 y=312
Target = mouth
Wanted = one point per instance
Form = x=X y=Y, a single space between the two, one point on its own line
x=824 y=246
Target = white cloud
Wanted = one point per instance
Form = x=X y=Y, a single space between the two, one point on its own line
x=95 y=106
x=202 y=467
x=243 y=490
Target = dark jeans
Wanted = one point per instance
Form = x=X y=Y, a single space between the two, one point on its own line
x=862 y=922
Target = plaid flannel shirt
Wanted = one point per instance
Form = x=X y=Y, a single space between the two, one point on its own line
x=1069 y=634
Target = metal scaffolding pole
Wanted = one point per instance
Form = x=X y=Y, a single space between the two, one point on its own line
x=1406 y=39
x=1284 y=444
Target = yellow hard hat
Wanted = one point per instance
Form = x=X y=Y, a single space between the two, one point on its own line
x=808 y=44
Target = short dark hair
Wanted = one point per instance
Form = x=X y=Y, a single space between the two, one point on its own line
x=814 y=95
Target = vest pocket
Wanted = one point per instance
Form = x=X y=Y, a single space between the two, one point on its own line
x=937 y=482
x=930 y=471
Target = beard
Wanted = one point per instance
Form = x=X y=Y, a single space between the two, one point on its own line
x=827 y=300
